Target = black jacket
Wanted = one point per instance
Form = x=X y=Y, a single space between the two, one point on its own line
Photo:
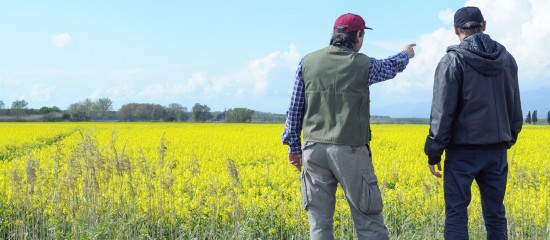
x=476 y=102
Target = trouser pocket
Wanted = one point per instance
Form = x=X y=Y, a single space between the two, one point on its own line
x=307 y=145
x=305 y=189
x=371 y=198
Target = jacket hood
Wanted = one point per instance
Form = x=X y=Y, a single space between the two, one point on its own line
x=482 y=53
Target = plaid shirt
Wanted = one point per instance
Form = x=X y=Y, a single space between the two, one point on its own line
x=379 y=71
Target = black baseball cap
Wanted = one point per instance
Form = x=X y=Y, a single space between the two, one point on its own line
x=468 y=17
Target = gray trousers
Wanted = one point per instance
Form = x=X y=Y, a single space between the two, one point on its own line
x=326 y=165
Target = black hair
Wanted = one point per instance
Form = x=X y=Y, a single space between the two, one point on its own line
x=345 y=39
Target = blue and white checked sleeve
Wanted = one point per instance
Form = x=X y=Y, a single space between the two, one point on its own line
x=295 y=115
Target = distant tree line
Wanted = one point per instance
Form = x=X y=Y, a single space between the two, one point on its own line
x=19 y=109
x=102 y=110
x=533 y=118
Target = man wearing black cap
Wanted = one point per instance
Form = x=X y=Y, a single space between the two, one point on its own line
x=476 y=116
x=330 y=103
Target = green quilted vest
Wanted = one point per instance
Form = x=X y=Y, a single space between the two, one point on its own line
x=337 y=100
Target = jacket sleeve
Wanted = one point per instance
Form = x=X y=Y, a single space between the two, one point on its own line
x=517 y=115
x=447 y=80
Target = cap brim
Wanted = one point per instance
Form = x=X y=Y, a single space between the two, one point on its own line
x=368 y=28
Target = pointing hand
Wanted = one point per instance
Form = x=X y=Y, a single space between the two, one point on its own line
x=409 y=49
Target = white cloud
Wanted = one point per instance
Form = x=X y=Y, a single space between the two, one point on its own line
x=256 y=73
x=61 y=40
x=40 y=93
x=6 y=81
x=117 y=91
x=419 y=73
x=252 y=78
x=172 y=90
x=197 y=80
x=390 y=45
x=525 y=35
x=521 y=26
x=156 y=91
x=447 y=16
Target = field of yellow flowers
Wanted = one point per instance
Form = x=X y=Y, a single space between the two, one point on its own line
x=227 y=181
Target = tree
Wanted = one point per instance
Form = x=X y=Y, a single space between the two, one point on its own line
x=534 y=117
x=239 y=115
x=141 y=112
x=126 y=112
x=176 y=112
x=201 y=113
x=81 y=111
x=19 y=107
x=184 y=114
x=548 y=117
x=528 y=119
x=102 y=106
x=46 y=110
x=2 y=105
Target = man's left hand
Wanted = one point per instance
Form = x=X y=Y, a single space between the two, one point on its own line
x=434 y=172
x=295 y=160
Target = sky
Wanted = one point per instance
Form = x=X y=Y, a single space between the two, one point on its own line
x=229 y=54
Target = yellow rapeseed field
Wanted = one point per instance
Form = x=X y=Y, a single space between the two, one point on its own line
x=227 y=181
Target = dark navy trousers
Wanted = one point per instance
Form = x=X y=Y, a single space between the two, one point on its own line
x=489 y=168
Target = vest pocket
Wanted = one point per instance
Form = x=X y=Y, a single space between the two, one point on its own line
x=305 y=189
x=371 y=198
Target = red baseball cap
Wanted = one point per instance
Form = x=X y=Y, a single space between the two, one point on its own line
x=349 y=22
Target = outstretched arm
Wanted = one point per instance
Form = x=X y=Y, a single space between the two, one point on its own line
x=385 y=69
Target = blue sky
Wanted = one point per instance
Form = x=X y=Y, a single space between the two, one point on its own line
x=228 y=54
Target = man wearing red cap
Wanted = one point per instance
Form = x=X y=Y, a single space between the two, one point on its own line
x=331 y=103
x=476 y=115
